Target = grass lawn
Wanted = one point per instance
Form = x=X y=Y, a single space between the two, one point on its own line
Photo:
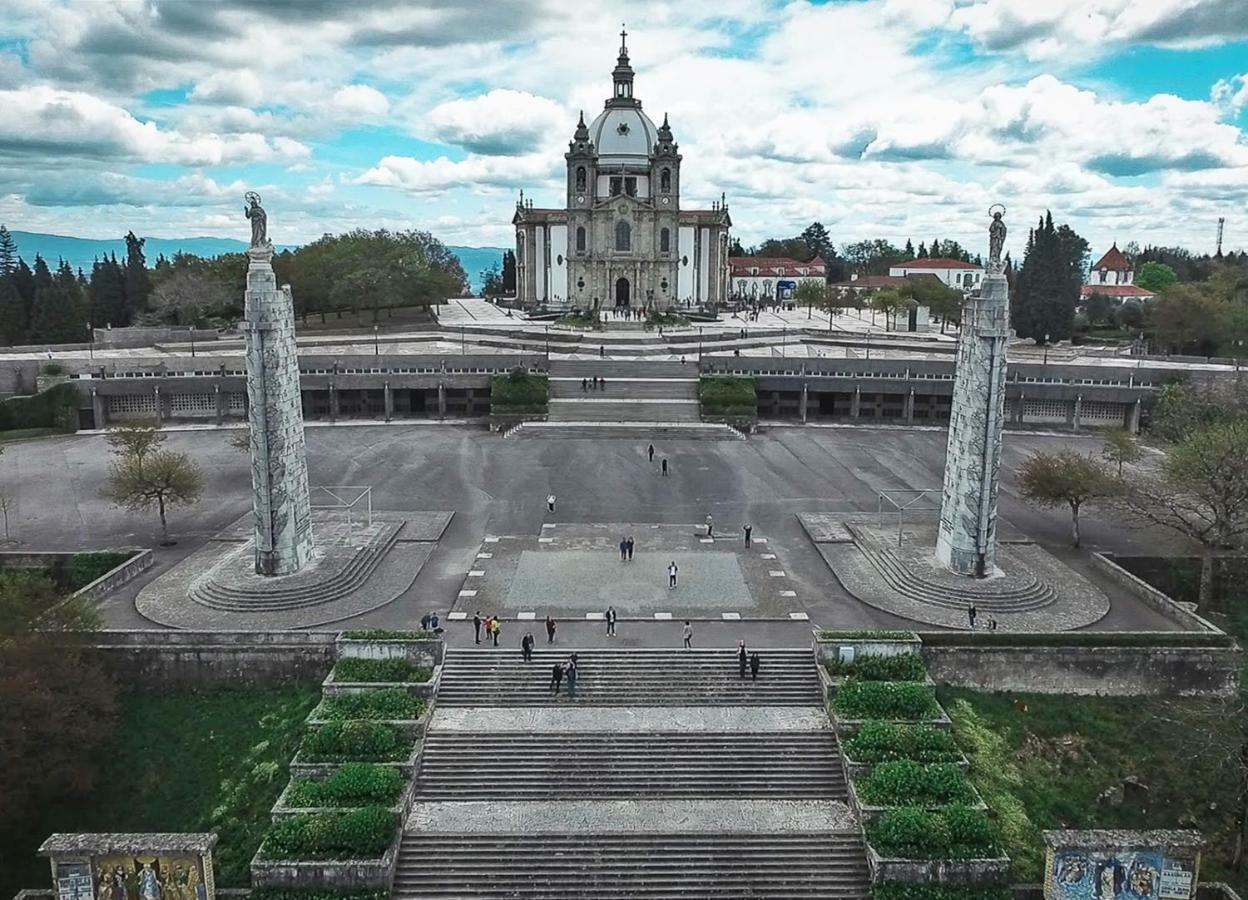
x=179 y=761
x=1041 y=762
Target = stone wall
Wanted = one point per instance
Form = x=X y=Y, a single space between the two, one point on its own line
x=1149 y=595
x=193 y=659
x=1108 y=663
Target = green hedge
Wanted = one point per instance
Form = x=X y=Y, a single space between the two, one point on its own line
x=872 y=667
x=316 y=894
x=355 y=784
x=392 y=703
x=353 y=668
x=905 y=701
x=388 y=634
x=57 y=407
x=519 y=392
x=866 y=634
x=903 y=782
x=75 y=572
x=915 y=890
x=955 y=832
x=728 y=396
x=356 y=740
x=877 y=742
x=359 y=834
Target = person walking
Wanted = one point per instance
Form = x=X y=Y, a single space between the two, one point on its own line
x=602 y=383
x=710 y=525
x=602 y=351
x=687 y=634
x=571 y=674
x=496 y=629
x=526 y=647
x=971 y=614
x=665 y=467
x=550 y=630
x=743 y=659
x=610 y=617
x=556 y=676
x=650 y=453
x=476 y=625
x=628 y=545
x=671 y=574
x=584 y=385
x=755 y=662
x=623 y=549
x=749 y=530
x=550 y=502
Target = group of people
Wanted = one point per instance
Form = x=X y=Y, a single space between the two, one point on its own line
x=564 y=671
x=598 y=384
x=431 y=622
x=490 y=624
x=626 y=549
x=650 y=456
x=750 y=660
x=972 y=614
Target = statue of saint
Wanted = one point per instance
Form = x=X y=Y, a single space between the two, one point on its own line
x=996 y=240
x=259 y=220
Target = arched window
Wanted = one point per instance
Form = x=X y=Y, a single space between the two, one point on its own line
x=580 y=178
x=665 y=180
x=580 y=239
x=665 y=240
x=520 y=247
x=623 y=236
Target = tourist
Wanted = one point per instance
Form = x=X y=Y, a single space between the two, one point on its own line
x=755 y=662
x=687 y=634
x=424 y=622
x=650 y=453
x=971 y=613
x=550 y=630
x=671 y=574
x=742 y=659
x=610 y=616
x=629 y=546
x=749 y=530
x=550 y=502
x=571 y=676
x=476 y=625
x=623 y=549
x=664 y=466
x=496 y=628
x=602 y=351
x=602 y=382
x=584 y=385
x=710 y=525
x=556 y=676
x=435 y=624
x=992 y=624
x=526 y=647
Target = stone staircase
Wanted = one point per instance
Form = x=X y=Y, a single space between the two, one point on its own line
x=648 y=432
x=611 y=677
x=657 y=866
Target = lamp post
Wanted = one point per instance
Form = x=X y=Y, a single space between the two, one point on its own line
x=699 y=343
x=1046 y=350
x=784 y=338
x=463 y=342
x=548 y=345
x=91 y=340
x=868 y=345
x=376 y=349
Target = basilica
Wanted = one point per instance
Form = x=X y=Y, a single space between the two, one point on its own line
x=622 y=239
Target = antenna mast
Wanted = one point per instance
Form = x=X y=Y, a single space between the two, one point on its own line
x=1221 y=222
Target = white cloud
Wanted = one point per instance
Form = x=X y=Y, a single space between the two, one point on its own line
x=1231 y=94
x=361 y=102
x=422 y=177
x=502 y=122
x=240 y=87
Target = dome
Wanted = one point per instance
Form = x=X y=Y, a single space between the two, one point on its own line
x=623 y=135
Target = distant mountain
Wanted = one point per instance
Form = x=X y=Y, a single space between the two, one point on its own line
x=81 y=252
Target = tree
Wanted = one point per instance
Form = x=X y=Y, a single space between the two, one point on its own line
x=937 y=296
x=1099 y=308
x=492 y=282
x=809 y=293
x=818 y=242
x=186 y=296
x=1131 y=315
x=1065 y=477
x=8 y=252
x=162 y=479
x=138 y=283
x=509 y=272
x=833 y=304
x=12 y=314
x=785 y=248
x=887 y=301
x=108 y=293
x=1189 y=318
x=1120 y=446
x=873 y=257
x=909 y=249
x=1043 y=306
x=135 y=439
x=59 y=313
x=1155 y=277
x=1200 y=493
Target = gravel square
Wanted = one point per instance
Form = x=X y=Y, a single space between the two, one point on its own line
x=590 y=580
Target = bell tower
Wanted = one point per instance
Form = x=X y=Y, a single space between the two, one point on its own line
x=665 y=170
x=582 y=168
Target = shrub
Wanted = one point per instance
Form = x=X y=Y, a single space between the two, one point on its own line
x=355 y=784
x=54 y=369
x=873 y=667
x=866 y=634
x=377 y=670
x=728 y=396
x=903 y=782
x=877 y=742
x=519 y=392
x=57 y=407
x=955 y=832
x=914 y=890
x=388 y=634
x=393 y=703
x=359 y=834
x=358 y=740
x=84 y=568
x=886 y=700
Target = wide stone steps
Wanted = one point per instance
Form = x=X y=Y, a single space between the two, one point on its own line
x=621 y=368
x=621 y=409
x=1030 y=593
x=659 y=866
x=303 y=593
x=633 y=431
x=607 y=677
x=626 y=389
x=624 y=765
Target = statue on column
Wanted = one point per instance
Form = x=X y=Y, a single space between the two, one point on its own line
x=996 y=240
x=259 y=220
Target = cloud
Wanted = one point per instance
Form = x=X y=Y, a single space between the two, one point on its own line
x=234 y=88
x=423 y=177
x=361 y=102
x=1231 y=94
x=500 y=123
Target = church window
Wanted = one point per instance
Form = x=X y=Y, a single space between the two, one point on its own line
x=623 y=236
x=665 y=240
x=617 y=185
x=630 y=186
x=665 y=180
x=580 y=239
x=580 y=178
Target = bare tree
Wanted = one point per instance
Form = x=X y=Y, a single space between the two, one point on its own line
x=135 y=438
x=154 y=478
x=6 y=504
x=1066 y=477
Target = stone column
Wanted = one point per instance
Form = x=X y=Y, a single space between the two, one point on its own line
x=389 y=402
x=160 y=407
x=279 y=468
x=909 y=407
x=441 y=400
x=219 y=397
x=333 y=401
x=805 y=398
x=1077 y=413
x=1133 y=418
x=99 y=409
x=966 y=536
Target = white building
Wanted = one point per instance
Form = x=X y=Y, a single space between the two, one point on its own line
x=1113 y=276
x=955 y=273
x=766 y=279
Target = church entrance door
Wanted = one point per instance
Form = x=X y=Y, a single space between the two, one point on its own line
x=621 y=292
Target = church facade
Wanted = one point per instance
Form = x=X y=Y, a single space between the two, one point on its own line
x=622 y=238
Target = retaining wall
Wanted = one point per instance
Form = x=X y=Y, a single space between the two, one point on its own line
x=170 y=658
x=1149 y=595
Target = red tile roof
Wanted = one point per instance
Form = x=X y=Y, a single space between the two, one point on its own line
x=936 y=262
x=1121 y=291
x=1114 y=261
x=881 y=281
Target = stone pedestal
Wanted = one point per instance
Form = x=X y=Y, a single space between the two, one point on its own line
x=966 y=537
x=279 y=469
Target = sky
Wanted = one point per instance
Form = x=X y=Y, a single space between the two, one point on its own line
x=880 y=118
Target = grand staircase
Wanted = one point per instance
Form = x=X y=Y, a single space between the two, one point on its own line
x=668 y=777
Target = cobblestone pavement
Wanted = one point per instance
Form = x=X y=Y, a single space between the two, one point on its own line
x=629 y=719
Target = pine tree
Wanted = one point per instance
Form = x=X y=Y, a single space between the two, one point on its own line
x=818 y=241
x=922 y=251
x=108 y=293
x=1048 y=283
x=8 y=252
x=509 y=272
x=909 y=249
x=12 y=313
x=138 y=284
x=43 y=275
x=935 y=250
